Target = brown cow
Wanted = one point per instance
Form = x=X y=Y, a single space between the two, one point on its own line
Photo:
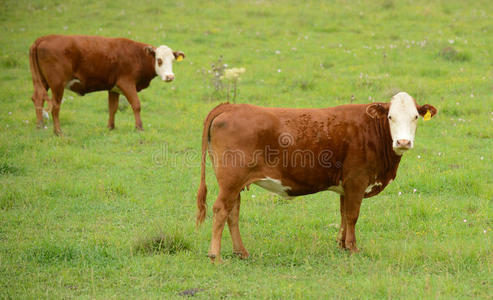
x=85 y=64
x=353 y=150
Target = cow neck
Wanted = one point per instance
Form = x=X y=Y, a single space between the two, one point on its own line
x=385 y=150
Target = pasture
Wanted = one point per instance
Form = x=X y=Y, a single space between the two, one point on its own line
x=111 y=214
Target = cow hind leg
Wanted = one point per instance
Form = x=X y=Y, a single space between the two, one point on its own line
x=56 y=101
x=112 y=108
x=221 y=211
x=341 y=236
x=39 y=96
x=234 y=229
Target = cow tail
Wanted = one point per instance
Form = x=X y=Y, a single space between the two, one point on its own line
x=202 y=192
x=39 y=83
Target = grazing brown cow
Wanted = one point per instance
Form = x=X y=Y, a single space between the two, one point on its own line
x=85 y=64
x=353 y=150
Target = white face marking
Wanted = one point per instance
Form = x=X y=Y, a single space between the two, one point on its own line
x=371 y=186
x=337 y=188
x=403 y=118
x=164 y=63
x=274 y=186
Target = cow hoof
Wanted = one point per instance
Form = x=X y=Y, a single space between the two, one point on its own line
x=139 y=128
x=353 y=249
x=40 y=125
x=58 y=132
x=342 y=244
x=214 y=259
x=111 y=127
x=242 y=254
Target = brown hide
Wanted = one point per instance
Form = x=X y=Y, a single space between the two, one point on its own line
x=321 y=147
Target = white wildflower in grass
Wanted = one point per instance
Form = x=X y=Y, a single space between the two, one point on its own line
x=482 y=157
x=26 y=121
x=253 y=196
x=465 y=221
x=414 y=191
x=279 y=70
x=232 y=76
x=400 y=193
x=472 y=95
x=233 y=73
x=10 y=113
x=419 y=156
x=278 y=52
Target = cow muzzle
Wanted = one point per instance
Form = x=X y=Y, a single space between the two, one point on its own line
x=403 y=144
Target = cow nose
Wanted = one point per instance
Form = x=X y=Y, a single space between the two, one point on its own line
x=169 y=78
x=404 y=144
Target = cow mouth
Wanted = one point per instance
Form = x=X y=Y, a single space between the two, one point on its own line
x=401 y=149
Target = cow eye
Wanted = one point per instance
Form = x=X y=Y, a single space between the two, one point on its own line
x=159 y=62
x=416 y=117
x=390 y=118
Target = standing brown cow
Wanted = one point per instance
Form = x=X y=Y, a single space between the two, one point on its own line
x=85 y=64
x=353 y=150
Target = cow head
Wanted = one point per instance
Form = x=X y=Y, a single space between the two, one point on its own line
x=402 y=113
x=163 y=61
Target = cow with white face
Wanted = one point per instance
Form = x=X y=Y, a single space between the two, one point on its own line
x=353 y=150
x=85 y=64
x=164 y=58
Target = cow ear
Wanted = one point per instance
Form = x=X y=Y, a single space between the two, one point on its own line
x=426 y=110
x=377 y=110
x=179 y=56
x=150 y=50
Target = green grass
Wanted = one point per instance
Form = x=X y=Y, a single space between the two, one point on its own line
x=99 y=214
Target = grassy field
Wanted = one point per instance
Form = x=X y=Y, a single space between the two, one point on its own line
x=100 y=214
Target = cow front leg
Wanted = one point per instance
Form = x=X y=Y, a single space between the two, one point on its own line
x=130 y=93
x=221 y=210
x=353 y=196
x=112 y=108
x=341 y=236
x=234 y=229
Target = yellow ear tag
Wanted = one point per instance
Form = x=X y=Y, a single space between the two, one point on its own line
x=427 y=116
x=179 y=58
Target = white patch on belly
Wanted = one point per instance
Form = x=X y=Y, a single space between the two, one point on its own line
x=116 y=90
x=274 y=186
x=337 y=188
x=71 y=83
x=371 y=186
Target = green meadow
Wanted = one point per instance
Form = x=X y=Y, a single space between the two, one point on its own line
x=111 y=214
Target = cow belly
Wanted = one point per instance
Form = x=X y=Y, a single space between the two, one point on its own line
x=274 y=186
